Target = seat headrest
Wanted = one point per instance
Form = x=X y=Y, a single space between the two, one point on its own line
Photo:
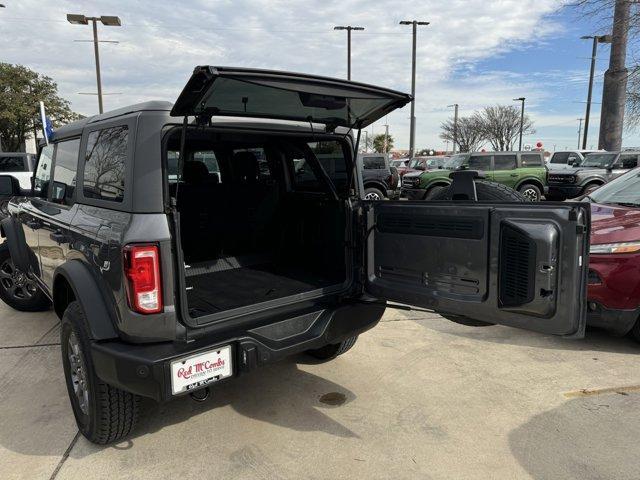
x=245 y=166
x=195 y=173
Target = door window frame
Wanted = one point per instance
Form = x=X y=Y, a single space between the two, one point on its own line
x=54 y=164
x=125 y=205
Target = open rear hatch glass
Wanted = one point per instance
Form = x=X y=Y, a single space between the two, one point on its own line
x=242 y=92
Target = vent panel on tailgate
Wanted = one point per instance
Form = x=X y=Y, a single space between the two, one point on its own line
x=431 y=225
x=517 y=267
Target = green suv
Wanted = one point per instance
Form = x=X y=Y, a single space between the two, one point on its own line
x=522 y=171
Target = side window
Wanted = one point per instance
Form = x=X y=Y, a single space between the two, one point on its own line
x=43 y=172
x=64 y=171
x=504 y=162
x=531 y=160
x=13 y=164
x=480 y=162
x=374 y=163
x=331 y=156
x=105 y=160
x=627 y=161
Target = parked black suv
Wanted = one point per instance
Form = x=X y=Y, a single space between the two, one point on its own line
x=183 y=245
x=379 y=178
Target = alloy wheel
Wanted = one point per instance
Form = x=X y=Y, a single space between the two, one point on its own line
x=372 y=196
x=78 y=372
x=16 y=283
x=531 y=194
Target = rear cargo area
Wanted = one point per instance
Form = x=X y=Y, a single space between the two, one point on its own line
x=256 y=222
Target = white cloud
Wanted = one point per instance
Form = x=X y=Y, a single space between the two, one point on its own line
x=161 y=42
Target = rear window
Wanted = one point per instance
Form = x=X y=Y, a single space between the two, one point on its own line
x=105 y=159
x=374 y=163
x=531 y=160
x=13 y=164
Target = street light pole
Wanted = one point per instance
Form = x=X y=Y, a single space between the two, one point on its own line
x=596 y=39
x=348 y=28
x=412 y=132
x=455 y=125
x=521 y=99
x=107 y=20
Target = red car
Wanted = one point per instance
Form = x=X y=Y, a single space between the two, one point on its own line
x=614 y=263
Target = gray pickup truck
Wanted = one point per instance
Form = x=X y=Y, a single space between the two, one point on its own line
x=170 y=277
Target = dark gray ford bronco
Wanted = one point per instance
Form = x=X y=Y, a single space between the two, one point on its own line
x=184 y=245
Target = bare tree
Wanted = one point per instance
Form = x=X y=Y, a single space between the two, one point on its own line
x=470 y=134
x=500 y=126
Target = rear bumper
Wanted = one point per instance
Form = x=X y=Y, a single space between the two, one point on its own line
x=564 y=191
x=412 y=193
x=619 y=322
x=145 y=369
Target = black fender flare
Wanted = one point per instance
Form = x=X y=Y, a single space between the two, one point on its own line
x=587 y=181
x=88 y=293
x=14 y=236
x=533 y=180
x=376 y=184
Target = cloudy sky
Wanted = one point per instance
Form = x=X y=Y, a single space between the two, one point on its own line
x=474 y=53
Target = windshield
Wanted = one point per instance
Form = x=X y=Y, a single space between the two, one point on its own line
x=416 y=162
x=624 y=190
x=599 y=160
x=455 y=162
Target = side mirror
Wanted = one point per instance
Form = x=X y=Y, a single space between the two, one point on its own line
x=463 y=167
x=608 y=168
x=571 y=161
x=9 y=186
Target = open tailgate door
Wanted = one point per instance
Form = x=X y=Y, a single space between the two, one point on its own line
x=518 y=264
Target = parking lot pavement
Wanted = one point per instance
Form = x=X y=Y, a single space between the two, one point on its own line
x=417 y=397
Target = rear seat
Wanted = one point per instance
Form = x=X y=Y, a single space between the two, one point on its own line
x=200 y=202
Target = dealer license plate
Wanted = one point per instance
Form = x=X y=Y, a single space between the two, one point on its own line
x=198 y=370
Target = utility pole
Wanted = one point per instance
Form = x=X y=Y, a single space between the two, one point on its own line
x=412 y=132
x=455 y=125
x=614 y=92
x=521 y=99
x=348 y=28
x=580 y=132
x=107 y=20
x=596 y=40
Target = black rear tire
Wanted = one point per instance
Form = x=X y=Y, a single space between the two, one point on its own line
x=104 y=414
x=488 y=191
x=434 y=192
x=329 y=352
x=16 y=289
x=635 y=331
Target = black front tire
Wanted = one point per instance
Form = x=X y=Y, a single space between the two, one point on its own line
x=329 y=352
x=16 y=289
x=104 y=414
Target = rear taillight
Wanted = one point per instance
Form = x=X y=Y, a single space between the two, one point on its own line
x=142 y=269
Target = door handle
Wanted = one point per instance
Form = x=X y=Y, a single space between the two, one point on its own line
x=58 y=237
x=514 y=174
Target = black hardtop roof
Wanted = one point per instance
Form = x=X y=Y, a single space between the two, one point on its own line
x=75 y=128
